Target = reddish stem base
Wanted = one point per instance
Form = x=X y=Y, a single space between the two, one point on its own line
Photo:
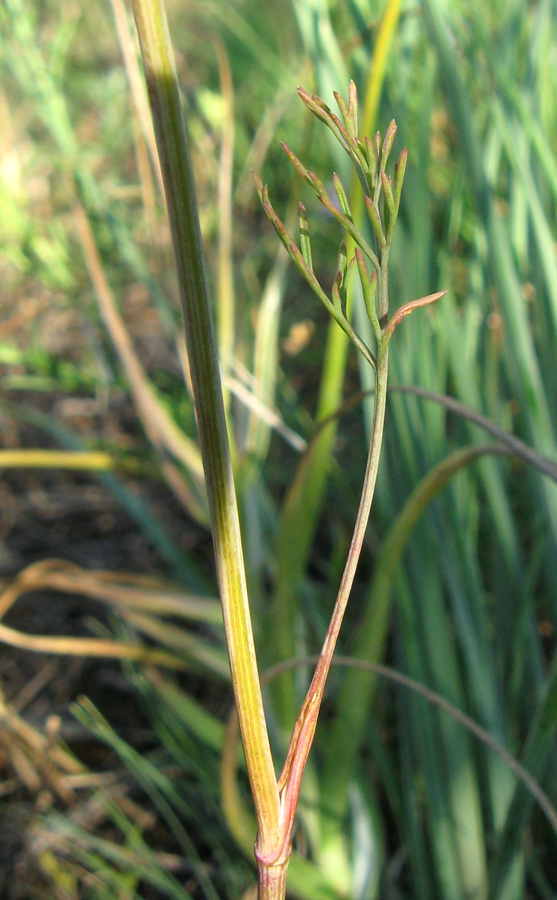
x=272 y=882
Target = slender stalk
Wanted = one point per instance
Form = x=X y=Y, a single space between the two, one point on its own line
x=172 y=143
x=304 y=729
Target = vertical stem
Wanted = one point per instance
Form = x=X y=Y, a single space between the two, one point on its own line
x=158 y=62
x=383 y=288
x=272 y=882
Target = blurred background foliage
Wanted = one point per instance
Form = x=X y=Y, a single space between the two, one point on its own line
x=456 y=586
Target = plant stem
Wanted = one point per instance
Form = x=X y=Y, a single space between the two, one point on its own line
x=362 y=518
x=304 y=729
x=272 y=882
x=172 y=143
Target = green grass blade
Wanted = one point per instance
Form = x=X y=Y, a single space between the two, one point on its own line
x=534 y=758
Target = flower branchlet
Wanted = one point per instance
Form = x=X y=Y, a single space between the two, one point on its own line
x=382 y=195
x=371 y=259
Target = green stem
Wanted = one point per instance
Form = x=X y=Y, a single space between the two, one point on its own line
x=304 y=730
x=172 y=143
x=383 y=287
